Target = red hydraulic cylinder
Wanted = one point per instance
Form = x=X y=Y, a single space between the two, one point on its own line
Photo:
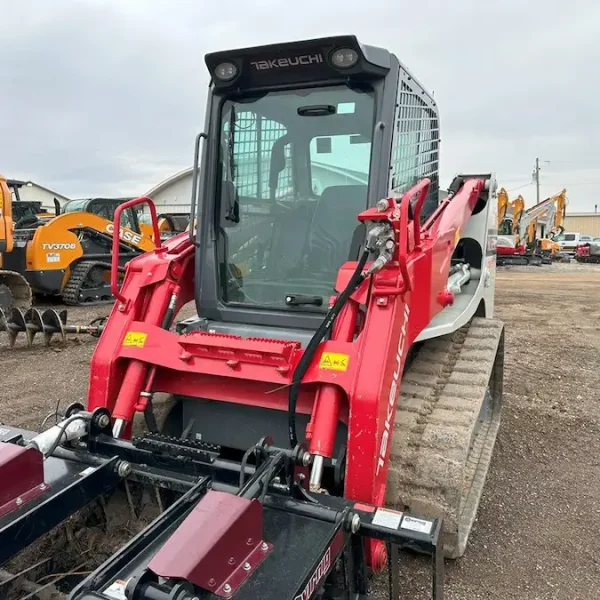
x=327 y=412
x=328 y=401
x=137 y=371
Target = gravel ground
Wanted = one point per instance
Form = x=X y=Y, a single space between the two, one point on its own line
x=536 y=534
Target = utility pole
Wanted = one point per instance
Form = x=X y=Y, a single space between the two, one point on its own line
x=536 y=177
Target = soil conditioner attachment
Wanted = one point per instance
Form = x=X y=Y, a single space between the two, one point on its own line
x=231 y=530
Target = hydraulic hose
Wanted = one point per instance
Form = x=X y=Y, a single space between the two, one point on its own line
x=357 y=278
x=48 y=441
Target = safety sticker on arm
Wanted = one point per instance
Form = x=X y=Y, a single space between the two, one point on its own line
x=135 y=338
x=116 y=591
x=333 y=361
x=387 y=518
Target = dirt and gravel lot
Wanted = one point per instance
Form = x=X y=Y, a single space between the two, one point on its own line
x=536 y=537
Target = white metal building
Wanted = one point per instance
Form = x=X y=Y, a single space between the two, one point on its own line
x=39 y=193
x=587 y=223
x=174 y=193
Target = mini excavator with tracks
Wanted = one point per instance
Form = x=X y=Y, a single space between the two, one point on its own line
x=336 y=398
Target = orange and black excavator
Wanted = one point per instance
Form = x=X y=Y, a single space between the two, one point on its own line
x=15 y=292
x=529 y=236
x=511 y=245
x=544 y=234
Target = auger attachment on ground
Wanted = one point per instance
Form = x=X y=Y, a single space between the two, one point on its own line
x=48 y=322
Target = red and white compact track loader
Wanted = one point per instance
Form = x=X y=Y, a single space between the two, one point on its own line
x=338 y=394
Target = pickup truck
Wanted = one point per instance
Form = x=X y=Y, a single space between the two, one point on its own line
x=569 y=241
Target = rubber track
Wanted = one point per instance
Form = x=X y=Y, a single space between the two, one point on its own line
x=71 y=291
x=438 y=465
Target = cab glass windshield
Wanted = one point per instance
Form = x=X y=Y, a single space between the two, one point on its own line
x=294 y=168
x=74 y=206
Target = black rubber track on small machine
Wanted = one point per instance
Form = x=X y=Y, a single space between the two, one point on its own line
x=78 y=292
x=445 y=428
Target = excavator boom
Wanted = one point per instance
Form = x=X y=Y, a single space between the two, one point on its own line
x=503 y=204
x=521 y=241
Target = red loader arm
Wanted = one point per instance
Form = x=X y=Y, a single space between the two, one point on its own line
x=353 y=377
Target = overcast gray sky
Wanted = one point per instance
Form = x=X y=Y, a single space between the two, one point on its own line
x=106 y=96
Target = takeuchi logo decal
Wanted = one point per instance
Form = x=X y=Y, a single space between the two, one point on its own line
x=283 y=63
x=393 y=395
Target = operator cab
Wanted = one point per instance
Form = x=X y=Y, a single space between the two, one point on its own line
x=105 y=208
x=25 y=213
x=302 y=137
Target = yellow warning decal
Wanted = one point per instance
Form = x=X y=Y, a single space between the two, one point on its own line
x=457 y=237
x=334 y=361
x=135 y=338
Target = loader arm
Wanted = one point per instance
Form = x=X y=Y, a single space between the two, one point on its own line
x=6 y=222
x=156 y=279
x=15 y=292
x=353 y=377
x=66 y=230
